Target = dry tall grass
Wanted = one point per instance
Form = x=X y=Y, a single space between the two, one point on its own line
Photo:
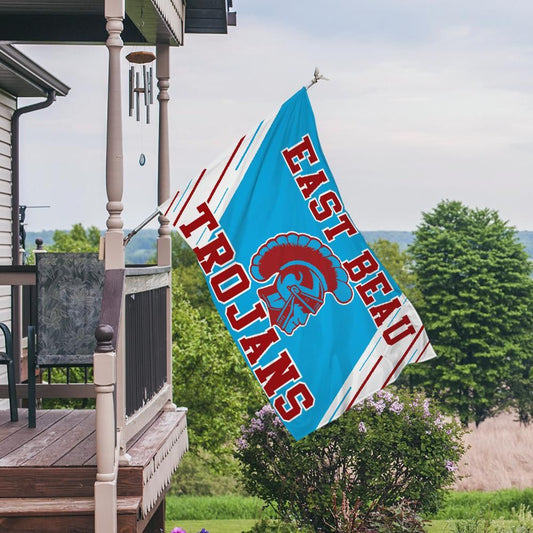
x=500 y=456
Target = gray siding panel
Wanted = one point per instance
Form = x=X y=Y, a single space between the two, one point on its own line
x=8 y=105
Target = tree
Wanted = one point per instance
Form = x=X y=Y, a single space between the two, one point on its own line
x=78 y=239
x=397 y=264
x=474 y=277
x=210 y=378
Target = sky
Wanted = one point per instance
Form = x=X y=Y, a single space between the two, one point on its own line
x=426 y=101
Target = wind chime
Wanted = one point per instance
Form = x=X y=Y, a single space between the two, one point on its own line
x=143 y=58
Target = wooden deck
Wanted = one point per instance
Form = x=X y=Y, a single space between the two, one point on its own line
x=47 y=474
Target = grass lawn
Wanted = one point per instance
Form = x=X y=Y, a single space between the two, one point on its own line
x=213 y=526
x=237 y=526
x=439 y=526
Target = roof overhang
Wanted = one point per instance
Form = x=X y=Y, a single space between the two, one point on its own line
x=22 y=77
x=147 y=22
x=208 y=16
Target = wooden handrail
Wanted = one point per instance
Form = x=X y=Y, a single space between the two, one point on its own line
x=112 y=300
x=18 y=274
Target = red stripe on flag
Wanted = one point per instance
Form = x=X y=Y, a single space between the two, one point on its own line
x=170 y=204
x=225 y=168
x=403 y=357
x=422 y=352
x=190 y=196
x=365 y=382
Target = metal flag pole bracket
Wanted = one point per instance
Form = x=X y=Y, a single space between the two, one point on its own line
x=316 y=76
x=133 y=232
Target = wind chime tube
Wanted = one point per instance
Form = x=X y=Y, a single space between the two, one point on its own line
x=137 y=97
x=131 y=74
x=145 y=81
x=151 y=85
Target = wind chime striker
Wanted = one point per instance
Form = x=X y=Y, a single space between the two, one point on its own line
x=136 y=89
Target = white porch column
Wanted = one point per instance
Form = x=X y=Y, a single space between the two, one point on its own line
x=114 y=248
x=164 y=253
x=164 y=242
x=105 y=487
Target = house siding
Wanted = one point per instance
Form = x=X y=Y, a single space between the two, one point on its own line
x=8 y=105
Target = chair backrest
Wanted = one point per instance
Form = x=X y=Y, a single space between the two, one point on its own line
x=69 y=298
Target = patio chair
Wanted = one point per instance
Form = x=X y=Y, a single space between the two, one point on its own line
x=6 y=358
x=69 y=298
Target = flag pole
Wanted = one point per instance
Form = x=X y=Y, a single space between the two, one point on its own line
x=140 y=226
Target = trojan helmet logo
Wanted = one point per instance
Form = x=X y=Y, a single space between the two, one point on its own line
x=306 y=270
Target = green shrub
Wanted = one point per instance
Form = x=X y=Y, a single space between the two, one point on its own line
x=387 y=450
x=196 y=476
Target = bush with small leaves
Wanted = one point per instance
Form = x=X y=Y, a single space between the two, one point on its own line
x=387 y=454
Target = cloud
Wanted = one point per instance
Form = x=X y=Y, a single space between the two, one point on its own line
x=427 y=100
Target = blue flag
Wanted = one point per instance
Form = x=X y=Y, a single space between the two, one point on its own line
x=319 y=321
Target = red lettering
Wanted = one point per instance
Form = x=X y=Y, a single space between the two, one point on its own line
x=218 y=251
x=296 y=397
x=345 y=225
x=329 y=202
x=381 y=312
x=205 y=218
x=404 y=322
x=362 y=265
x=237 y=323
x=277 y=373
x=311 y=182
x=378 y=283
x=299 y=152
x=230 y=282
x=255 y=346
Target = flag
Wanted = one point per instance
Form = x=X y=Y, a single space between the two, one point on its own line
x=319 y=321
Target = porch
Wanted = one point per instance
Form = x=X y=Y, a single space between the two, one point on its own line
x=47 y=474
x=106 y=469
x=82 y=469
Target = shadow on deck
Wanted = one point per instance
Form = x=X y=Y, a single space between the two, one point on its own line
x=47 y=474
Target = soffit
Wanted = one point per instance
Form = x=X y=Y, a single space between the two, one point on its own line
x=22 y=77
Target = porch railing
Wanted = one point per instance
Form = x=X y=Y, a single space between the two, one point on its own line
x=146 y=347
x=146 y=358
x=144 y=368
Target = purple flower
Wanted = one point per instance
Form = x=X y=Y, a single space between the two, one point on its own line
x=362 y=427
x=203 y=531
x=396 y=407
x=451 y=466
x=242 y=443
x=379 y=406
x=256 y=424
x=386 y=395
x=178 y=530
x=439 y=422
x=426 y=408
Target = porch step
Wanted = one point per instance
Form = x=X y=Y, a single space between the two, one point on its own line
x=40 y=483
x=62 y=514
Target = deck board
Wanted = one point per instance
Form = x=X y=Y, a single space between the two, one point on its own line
x=80 y=430
x=141 y=451
x=35 y=450
x=26 y=434
x=7 y=427
x=81 y=454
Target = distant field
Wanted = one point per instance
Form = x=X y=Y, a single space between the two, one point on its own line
x=500 y=456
